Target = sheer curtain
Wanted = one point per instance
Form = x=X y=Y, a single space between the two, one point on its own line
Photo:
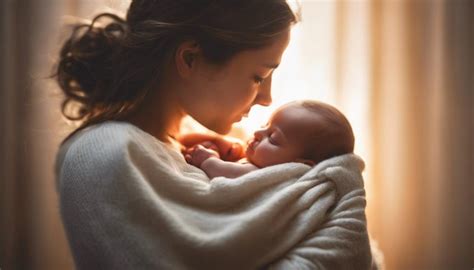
x=400 y=70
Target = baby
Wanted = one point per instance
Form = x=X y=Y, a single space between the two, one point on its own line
x=302 y=131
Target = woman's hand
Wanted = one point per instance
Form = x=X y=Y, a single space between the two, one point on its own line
x=198 y=154
x=228 y=150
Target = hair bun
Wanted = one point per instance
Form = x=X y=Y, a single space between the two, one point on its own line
x=84 y=70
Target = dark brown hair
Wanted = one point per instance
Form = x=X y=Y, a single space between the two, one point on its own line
x=333 y=138
x=106 y=70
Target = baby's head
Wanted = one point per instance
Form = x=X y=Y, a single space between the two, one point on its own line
x=302 y=131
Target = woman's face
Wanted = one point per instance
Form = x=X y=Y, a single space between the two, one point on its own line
x=218 y=96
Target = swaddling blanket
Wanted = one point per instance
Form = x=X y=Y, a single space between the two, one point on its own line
x=129 y=201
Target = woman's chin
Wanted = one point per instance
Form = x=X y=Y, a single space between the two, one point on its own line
x=220 y=128
x=216 y=126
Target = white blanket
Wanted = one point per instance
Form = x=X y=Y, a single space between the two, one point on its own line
x=129 y=201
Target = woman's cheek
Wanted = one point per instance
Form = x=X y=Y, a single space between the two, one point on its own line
x=251 y=94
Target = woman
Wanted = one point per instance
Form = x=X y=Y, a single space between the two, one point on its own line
x=128 y=199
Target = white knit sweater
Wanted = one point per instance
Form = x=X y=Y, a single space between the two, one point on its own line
x=129 y=201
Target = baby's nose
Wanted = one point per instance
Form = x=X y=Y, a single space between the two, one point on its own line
x=259 y=134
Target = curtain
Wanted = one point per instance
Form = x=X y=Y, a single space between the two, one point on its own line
x=31 y=234
x=31 y=129
x=401 y=71
x=422 y=133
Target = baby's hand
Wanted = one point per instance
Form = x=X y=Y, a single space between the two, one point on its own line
x=228 y=150
x=198 y=154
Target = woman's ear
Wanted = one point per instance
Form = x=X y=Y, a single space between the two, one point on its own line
x=306 y=161
x=185 y=58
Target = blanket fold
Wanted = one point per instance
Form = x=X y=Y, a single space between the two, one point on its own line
x=129 y=201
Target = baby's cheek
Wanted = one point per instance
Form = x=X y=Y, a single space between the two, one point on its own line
x=266 y=156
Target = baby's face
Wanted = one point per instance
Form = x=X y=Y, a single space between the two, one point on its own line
x=284 y=138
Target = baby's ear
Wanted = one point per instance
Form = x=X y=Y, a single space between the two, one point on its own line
x=306 y=161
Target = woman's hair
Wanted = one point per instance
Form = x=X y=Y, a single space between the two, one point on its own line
x=108 y=67
x=335 y=137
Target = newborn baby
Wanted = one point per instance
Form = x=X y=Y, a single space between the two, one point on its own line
x=302 y=131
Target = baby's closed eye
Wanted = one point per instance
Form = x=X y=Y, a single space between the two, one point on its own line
x=273 y=139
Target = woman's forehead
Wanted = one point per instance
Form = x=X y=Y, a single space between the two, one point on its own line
x=268 y=57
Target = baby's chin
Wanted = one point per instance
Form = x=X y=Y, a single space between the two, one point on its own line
x=255 y=160
x=262 y=162
x=250 y=156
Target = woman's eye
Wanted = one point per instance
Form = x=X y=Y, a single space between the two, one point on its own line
x=258 y=79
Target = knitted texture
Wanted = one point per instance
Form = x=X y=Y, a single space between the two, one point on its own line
x=129 y=201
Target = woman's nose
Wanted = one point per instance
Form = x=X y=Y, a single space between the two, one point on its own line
x=264 y=96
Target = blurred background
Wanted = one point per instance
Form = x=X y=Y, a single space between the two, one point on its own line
x=402 y=72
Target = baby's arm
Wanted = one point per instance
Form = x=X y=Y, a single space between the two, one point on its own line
x=217 y=167
x=209 y=161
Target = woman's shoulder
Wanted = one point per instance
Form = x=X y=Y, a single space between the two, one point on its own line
x=102 y=139
x=111 y=153
x=104 y=146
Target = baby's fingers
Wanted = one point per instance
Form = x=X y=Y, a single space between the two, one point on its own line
x=188 y=158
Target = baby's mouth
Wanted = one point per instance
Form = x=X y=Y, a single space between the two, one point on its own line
x=252 y=143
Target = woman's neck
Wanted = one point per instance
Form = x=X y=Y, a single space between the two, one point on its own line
x=160 y=119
